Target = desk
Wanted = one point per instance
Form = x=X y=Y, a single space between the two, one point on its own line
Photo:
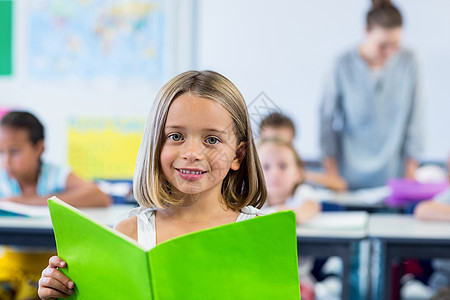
x=22 y=231
x=323 y=242
x=403 y=236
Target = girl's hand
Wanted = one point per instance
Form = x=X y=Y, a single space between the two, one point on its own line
x=53 y=283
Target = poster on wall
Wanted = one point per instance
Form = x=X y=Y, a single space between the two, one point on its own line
x=104 y=148
x=6 y=37
x=91 y=39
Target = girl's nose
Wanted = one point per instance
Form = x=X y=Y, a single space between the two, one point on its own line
x=193 y=150
x=275 y=172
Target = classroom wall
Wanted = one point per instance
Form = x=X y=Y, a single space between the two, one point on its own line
x=285 y=48
x=280 y=48
x=56 y=100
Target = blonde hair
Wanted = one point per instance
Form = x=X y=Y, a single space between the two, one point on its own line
x=240 y=188
x=282 y=143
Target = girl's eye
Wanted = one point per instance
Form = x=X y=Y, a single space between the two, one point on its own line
x=176 y=137
x=14 y=151
x=282 y=166
x=212 y=140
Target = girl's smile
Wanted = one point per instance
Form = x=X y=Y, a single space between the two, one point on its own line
x=190 y=174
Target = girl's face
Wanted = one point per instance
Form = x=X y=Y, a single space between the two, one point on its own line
x=382 y=43
x=280 y=172
x=200 y=146
x=18 y=156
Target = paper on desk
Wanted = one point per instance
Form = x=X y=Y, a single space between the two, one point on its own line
x=339 y=220
x=367 y=196
x=34 y=211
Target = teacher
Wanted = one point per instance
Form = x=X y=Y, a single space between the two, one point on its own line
x=371 y=111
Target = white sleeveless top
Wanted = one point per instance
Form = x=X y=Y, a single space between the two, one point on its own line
x=147 y=229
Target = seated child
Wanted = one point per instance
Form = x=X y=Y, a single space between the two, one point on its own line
x=26 y=179
x=437 y=208
x=196 y=168
x=284 y=175
x=277 y=125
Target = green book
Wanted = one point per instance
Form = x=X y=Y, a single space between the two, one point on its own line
x=253 y=259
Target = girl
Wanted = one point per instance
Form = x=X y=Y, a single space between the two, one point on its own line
x=371 y=112
x=280 y=126
x=196 y=168
x=26 y=179
x=284 y=175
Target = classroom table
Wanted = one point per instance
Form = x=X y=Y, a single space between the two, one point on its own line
x=403 y=236
x=24 y=231
x=322 y=241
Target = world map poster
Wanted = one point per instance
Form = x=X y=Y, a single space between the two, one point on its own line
x=88 y=39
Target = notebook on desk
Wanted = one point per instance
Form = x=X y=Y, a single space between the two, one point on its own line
x=352 y=220
x=22 y=210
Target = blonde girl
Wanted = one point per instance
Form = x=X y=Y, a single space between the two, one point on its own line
x=285 y=176
x=196 y=168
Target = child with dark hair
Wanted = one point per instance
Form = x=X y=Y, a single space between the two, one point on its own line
x=26 y=179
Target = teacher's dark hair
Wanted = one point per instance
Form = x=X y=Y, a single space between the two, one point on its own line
x=383 y=14
x=24 y=120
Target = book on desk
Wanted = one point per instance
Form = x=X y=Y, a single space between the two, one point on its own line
x=351 y=220
x=23 y=210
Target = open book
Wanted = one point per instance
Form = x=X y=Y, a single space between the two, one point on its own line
x=253 y=259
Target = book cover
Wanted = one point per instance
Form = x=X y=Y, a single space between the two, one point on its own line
x=253 y=259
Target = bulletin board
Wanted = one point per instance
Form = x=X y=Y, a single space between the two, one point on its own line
x=104 y=148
